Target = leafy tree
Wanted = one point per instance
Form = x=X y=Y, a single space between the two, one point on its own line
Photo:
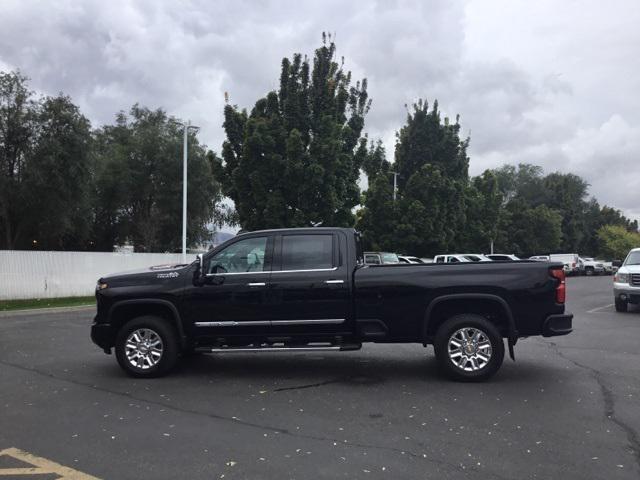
x=378 y=221
x=295 y=159
x=17 y=129
x=426 y=140
x=138 y=183
x=483 y=201
x=44 y=149
x=529 y=231
x=615 y=241
x=432 y=164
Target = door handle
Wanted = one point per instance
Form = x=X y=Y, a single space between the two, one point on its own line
x=256 y=284
x=333 y=282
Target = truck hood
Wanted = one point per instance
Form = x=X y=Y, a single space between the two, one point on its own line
x=629 y=269
x=144 y=275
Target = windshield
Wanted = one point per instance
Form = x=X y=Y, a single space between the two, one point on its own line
x=633 y=259
x=389 y=258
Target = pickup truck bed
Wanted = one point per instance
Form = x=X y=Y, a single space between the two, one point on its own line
x=308 y=289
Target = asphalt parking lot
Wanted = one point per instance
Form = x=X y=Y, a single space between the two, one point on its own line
x=568 y=407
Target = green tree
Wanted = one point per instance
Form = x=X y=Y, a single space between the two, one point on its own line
x=484 y=205
x=529 y=231
x=44 y=156
x=295 y=159
x=615 y=241
x=138 y=183
x=18 y=111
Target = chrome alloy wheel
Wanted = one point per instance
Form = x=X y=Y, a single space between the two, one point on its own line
x=469 y=349
x=143 y=348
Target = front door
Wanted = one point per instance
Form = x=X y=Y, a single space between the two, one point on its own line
x=232 y=299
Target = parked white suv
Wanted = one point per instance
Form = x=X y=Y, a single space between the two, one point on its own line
x=626 y=281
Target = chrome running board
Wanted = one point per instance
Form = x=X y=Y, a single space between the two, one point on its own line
x=272 y=349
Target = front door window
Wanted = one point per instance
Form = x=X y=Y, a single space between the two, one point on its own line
x=240 y=257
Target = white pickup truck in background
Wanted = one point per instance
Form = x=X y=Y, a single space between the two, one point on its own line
x=589 y=266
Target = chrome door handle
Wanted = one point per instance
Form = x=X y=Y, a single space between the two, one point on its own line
x=332 y=282
x=256 y=284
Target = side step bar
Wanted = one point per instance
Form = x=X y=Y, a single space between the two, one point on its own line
x=271 y=349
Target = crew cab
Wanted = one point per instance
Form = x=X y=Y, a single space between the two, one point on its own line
x=299 y=290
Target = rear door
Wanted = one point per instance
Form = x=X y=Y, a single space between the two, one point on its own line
x=310 y=287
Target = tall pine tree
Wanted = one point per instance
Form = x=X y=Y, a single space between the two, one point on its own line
x=295 y=159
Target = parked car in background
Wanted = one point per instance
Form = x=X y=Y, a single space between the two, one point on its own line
x=571 y=262
x=460 y=258
x=540 y=258
x=409 y=259
x=588 y=266
x=502 y=256
x=380 y=258
x=426 y=260
x=626 y=282
x=608 y=267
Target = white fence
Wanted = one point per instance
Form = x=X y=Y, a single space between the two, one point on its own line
x=25 y=274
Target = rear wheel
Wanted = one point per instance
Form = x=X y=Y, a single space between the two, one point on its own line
x=469 y=348
x=621 y=305
x=146 y=347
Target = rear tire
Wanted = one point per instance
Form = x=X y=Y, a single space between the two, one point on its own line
x=621 y=305
x=469 y=348
x=147 y=347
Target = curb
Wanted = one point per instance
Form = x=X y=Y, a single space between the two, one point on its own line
x=36 y=311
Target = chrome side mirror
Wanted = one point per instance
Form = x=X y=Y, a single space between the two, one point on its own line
x=201 y=265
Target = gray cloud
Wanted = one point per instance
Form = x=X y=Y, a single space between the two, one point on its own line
x=543 y=82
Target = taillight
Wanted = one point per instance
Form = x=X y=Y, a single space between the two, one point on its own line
x=561 y=288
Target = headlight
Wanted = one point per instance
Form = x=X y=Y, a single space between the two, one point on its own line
x=101 y=286
x=621 y=278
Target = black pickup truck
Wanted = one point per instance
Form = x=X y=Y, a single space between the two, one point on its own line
x=308 y=289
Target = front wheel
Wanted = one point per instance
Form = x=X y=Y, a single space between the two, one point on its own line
x=621 y=305
x=146 y=347
x=469 y=348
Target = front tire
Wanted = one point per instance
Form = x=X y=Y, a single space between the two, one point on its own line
x=589 y=272
x=621 y=305
x=147 y=347
x=469 y=348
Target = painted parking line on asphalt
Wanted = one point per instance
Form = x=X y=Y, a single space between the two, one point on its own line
x=597 y=309
x=39 y=466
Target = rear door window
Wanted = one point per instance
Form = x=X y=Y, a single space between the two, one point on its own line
x=307 y=252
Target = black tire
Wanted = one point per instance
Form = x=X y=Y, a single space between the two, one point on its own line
x=470 y=321
x=589 y=271
x=621 y=305
x=169 y=346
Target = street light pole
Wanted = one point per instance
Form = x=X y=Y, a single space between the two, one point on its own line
x=185 y=156
x=395 y=185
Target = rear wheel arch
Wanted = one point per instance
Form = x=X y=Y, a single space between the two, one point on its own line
x=493 y=307
x=124 y=311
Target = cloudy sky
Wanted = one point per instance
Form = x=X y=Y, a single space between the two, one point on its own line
x=546 y=82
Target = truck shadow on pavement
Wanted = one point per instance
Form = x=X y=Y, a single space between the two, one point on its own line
x=315 y=370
